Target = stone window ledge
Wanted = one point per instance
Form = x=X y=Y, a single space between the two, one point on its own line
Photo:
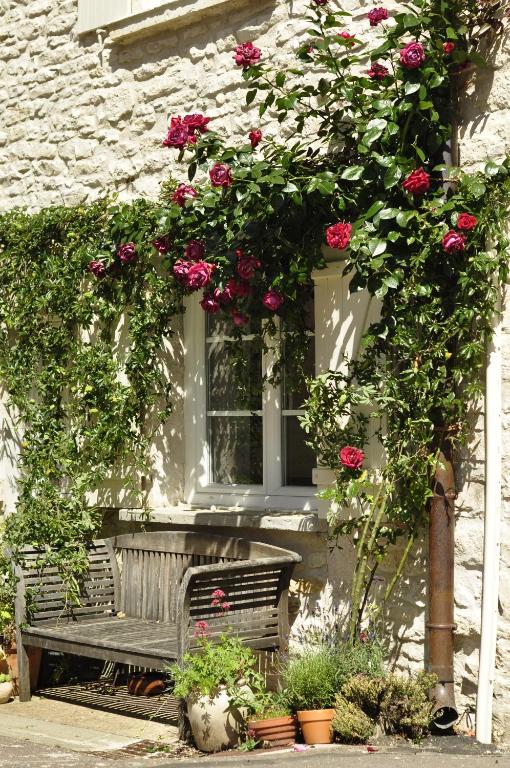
x=307 y=522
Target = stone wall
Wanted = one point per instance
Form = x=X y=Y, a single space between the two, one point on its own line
x=82 y=115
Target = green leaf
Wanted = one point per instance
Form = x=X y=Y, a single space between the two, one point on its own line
x=280 y=79
x=353 y=173
x=410 y=88
x=404 y=217
x=392 y=176
x=376 y=246
x=250 y=96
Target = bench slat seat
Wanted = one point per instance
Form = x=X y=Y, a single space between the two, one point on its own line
x=143 y=593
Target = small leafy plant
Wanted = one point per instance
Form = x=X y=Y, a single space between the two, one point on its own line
x=350 y=724
x=270 y=705
x=5 y=678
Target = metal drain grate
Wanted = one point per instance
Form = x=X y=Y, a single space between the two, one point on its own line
x=105 y=695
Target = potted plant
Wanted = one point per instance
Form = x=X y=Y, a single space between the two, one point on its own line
x=272 y=721
x=310 y=680
x=6 y=688
x=218 y=682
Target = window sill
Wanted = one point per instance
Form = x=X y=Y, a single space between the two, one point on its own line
x=172 y=14
x=308 y=522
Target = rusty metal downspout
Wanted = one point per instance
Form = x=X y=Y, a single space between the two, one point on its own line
x=440 y=625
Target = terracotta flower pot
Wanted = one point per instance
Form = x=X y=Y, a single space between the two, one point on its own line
x=316 y=725
x=34 y=661
x=6 y=692
x=278 y=731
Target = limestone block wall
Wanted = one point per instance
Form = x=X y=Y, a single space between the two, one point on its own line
x=79 y=116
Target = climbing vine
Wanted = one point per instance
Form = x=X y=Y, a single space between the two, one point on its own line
x=368 y=167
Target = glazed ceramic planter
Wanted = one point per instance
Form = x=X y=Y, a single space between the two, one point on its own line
x=215 y=723
x=276 y=731
x=6 y=692
x=316 y=725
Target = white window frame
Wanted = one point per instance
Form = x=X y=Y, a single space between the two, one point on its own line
x=199 y=491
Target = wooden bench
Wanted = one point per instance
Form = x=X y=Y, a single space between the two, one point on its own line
x=143 y=593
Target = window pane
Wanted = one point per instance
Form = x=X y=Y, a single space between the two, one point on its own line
x=299 y=459
x=294 y=390
x=236 y=449
x=234 y=377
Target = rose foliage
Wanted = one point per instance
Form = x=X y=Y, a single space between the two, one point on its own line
x=367 y=117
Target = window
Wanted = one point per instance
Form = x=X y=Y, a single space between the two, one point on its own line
x=245 y=446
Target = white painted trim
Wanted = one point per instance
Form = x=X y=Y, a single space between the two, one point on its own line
x=96 y=14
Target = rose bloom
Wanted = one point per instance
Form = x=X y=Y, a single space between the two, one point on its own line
x=238 y=318
x=220 y=175
x=246 y=55
x=224 y=296
x=352 y=458
x=127 y=253
x=97 y=267
x=412 y=55
x=246 y=265
x=199 y=275
x=347 y=36
x=182 y=193
x=338 y=235
x=201 y=628
x=466 y=221
x=194 y=250
x=161 y=244
x=448 y=48
x=238 y=288
x=417 y=183
x=376 y=15
x=209 y=304
x=255 y=138
x=178 y=134
x=453 y=242
x=180 y=270
x=196 y=122
x=272 y=300
x=377 y=71
x=320 y=2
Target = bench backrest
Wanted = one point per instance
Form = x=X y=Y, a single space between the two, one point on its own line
x=48 y=596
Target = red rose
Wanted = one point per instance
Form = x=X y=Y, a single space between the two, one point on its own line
x=178 y=134
x=224 y=296
x=320 y=2
x=347 y=37
x=448 y=48
x=220 y=175
x=127 y=253
x=196 y=122
x=412 y=55
x=97 y=267
x=352 y=458
x=466 y=221
x=338 y=235
x=417 y=183
x=199 y=275
x=272 y=300
x=162 y=244
x=182 y=193
x=246 y=55
x=209 y=303
x=238 y=318
x=453 y=242
x=255 y=138
x=246 y=265
x=377 y=71
x=195 y=250
x=238 y=288
x=180 y=270
x=376 y=15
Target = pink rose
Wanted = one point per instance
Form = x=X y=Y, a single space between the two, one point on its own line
x=377 y=71
x=180 y=270
x=272 y=300
x=238 y=288
x=466 y=221
x=199 y=275
x=453 y=242
x=127 y=253
x=201 y=628
x=448 y=48
x=338 y=235
x=417 y=183
x=196 y=122
x=376 y=15
x=194 y=250
x=352 y=458
x=246 y=55
x=182 y=193
x=246 y=265
x=97 y=267
x=238 y=318
x=178 y=134
x=209 y=303
x=220 y=175
x=347 y=37
x=255 y=138
x=412 y=55
x=162 y=244
x=224 y=296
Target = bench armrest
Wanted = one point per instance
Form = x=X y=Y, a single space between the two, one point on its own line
x=257 y=595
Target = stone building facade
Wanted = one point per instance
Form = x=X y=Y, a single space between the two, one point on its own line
x=84 y=106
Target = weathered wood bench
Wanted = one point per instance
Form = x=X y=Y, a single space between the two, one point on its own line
x=144 y=592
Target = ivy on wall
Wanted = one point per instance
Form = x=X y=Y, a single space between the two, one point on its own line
x=370 y=116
